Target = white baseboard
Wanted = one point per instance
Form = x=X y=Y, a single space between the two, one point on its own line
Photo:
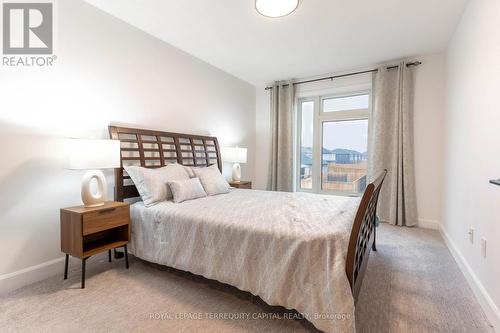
x=489 y=307
x=26 y=276
x=428 y=224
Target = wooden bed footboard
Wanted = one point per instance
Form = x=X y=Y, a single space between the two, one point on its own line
x=362 y=239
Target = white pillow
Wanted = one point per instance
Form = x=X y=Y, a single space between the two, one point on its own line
x=212 y=180
x=187 y=189
x=189 y=170
x=152 y=183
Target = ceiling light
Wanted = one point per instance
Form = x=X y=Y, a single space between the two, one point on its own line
x=276 y=8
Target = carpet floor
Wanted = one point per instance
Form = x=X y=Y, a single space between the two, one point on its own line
x=412 y=284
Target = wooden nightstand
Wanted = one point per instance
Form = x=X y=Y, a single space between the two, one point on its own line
x=89 y=231
x=241 y=184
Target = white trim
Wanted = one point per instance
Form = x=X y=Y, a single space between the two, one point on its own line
x=484 y=299
x=428 y=224
x=15 y=280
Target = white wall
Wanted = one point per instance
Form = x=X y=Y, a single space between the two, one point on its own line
x=428 y=137
x=472 y=148
x=428 y=114
x=106 y=71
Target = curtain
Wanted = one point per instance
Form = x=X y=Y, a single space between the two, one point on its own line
x=390 y=139
x=281 y=164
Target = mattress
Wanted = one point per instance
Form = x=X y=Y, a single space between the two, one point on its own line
x=287 y=248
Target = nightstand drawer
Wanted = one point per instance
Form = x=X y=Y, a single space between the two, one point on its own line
x=243 y=184
x=105 y=219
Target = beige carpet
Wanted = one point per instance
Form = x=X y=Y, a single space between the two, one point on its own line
x=412 y=285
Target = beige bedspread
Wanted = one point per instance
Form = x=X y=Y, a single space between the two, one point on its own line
x=287 y=248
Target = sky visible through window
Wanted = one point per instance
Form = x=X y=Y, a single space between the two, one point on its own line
x=356 y=102
x=351 y=135
x=307 y=123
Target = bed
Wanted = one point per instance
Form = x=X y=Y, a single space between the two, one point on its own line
x=303 y=251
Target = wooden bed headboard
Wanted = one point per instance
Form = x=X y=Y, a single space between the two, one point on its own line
x=154 y=149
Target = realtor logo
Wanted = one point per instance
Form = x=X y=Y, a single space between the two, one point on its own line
x=27 y=28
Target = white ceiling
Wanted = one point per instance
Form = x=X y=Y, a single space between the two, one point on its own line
x=321 y=36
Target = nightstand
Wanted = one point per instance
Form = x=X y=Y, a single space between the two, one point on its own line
x=241 y=184
x=89 y=231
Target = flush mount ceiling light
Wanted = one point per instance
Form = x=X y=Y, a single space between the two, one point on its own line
x=276 y=8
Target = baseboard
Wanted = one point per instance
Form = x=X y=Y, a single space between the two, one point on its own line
x=489 y=307
x=15 y=280
x=428 y=224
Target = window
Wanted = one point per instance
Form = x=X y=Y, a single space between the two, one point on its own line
x=333 y=144
x=358 y=102
x=306 y=150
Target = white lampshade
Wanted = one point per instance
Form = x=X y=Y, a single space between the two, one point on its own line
x=234 y=155
x=86 y=154
x=276 y=8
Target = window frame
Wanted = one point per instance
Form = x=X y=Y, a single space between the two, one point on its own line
x=319 y=118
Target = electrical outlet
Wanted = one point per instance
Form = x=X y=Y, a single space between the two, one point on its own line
x=471 y=235
x=483 y=247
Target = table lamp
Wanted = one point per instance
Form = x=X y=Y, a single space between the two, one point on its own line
x=92 y=155
x=235 y=155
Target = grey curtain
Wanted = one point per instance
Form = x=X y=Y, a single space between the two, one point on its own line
x=282 y=115
x=391 y=144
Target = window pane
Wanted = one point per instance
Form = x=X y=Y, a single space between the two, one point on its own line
x=306 y=143
x=346 y=103
x=344 y=156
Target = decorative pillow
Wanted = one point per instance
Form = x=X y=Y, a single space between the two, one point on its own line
x=187 y=189
x=152 y=183
x=212 y=180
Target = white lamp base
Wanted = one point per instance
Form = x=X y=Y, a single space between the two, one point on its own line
x=94 y=199
x=236 y=172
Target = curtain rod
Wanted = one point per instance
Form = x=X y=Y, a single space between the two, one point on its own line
x=416 y=63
